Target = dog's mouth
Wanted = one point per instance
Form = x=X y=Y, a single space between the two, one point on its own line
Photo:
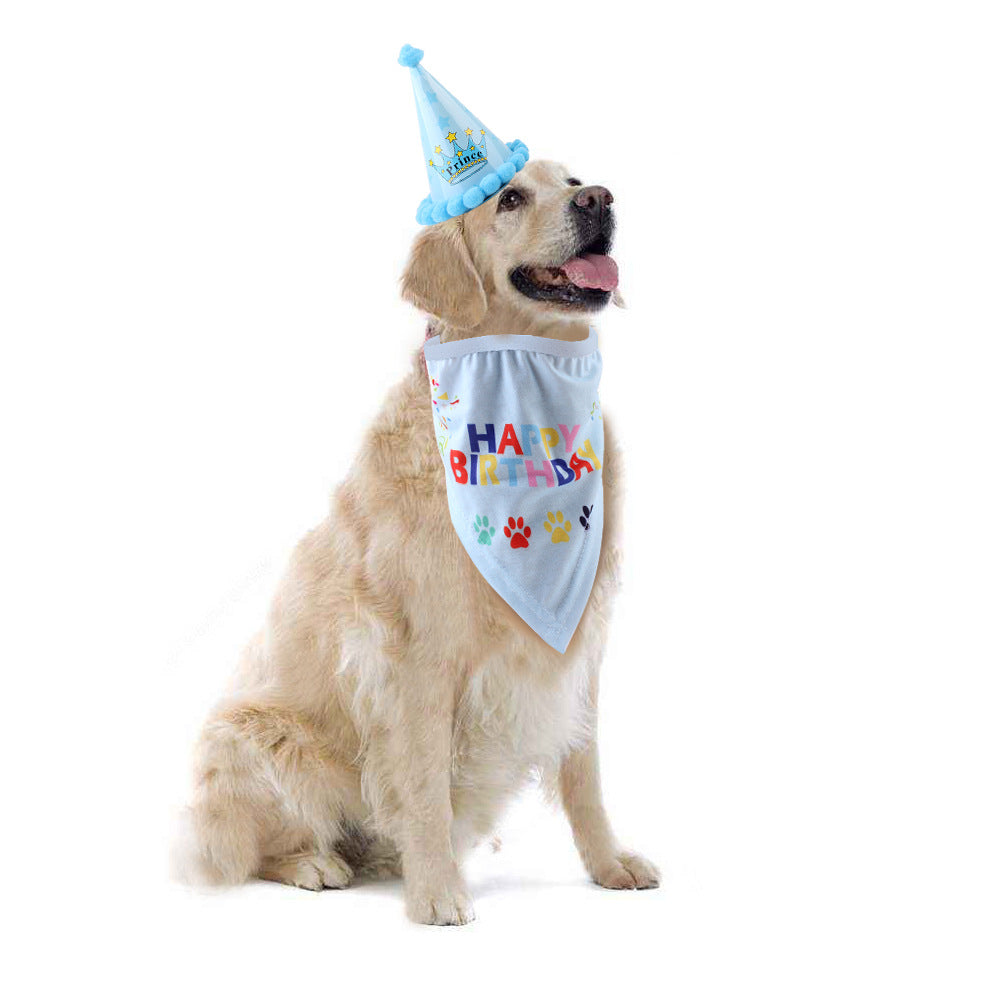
x=584 y=281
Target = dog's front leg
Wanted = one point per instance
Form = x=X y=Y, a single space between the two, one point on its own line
x=417 y=765
x=607 y=863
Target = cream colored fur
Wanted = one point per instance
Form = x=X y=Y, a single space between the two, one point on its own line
x=374 y=727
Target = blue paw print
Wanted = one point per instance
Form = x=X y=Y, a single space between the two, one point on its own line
x=484 y=533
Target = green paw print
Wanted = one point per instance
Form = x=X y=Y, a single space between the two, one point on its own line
x=484 y=533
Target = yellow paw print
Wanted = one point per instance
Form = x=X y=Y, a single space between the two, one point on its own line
x=558 y=527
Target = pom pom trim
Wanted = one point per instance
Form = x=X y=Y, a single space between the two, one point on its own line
x=409 y=56
x=431 y=212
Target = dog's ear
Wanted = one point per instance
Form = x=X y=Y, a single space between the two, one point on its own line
x=441 y=279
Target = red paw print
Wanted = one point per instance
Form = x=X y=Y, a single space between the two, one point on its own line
x=517 y=532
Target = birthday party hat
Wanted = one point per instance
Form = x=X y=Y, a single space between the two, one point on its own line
x=466 y=163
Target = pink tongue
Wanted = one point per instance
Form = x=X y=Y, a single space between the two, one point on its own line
x=592 y=271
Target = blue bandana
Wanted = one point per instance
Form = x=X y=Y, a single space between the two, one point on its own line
x=518 y=424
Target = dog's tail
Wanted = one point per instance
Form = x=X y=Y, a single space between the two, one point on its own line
x=218 y=837
x=203 y=858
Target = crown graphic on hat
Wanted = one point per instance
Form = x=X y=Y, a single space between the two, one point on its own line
x=466 y=163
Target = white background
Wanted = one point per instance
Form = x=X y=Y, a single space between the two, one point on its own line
x=204 y=210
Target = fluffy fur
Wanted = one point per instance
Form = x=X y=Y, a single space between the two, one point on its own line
x=373 y=727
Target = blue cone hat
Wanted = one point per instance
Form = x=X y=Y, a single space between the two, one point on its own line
x=466 y=163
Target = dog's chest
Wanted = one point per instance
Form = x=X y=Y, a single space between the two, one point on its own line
x=510 y=721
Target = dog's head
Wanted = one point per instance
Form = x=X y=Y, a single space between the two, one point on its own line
x=536 y=251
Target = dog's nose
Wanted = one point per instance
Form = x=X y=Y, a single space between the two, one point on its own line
x=592 y=201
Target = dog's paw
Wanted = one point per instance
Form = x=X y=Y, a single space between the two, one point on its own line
x=446 y=906
x=627 y=871
x=310 y=871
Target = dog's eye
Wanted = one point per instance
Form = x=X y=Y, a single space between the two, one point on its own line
x=574 y=182
x=509 y=200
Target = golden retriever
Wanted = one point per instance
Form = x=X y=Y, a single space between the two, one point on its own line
x=367 y=730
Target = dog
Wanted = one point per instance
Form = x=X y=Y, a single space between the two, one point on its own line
x=372 y=729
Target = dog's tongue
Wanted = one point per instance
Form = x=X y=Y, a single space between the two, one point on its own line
x=592 y=270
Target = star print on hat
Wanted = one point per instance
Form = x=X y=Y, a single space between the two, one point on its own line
x=466 y=163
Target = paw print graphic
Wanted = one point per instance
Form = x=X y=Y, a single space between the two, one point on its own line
x=483 y=531
x=518 y=533
x=585 y=517
x=558 y=526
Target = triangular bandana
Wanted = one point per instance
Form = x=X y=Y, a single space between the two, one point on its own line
x=518 y=424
